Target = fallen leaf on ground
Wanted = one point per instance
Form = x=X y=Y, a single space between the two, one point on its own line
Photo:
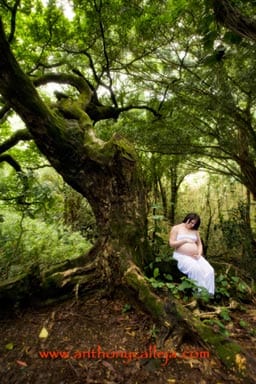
x=21 y=363
x=44 y=333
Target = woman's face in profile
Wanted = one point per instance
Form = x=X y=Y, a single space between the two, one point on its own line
x=190 y=224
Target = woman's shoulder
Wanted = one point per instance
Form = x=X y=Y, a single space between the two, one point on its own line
x=176 y=227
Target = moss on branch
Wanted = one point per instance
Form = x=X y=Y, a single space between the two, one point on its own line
x=152 y=303
x=227 y=351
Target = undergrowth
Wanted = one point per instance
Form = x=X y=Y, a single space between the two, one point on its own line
x=27 y=241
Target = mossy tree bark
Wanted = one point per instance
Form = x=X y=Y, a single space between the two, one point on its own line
x=107 y=174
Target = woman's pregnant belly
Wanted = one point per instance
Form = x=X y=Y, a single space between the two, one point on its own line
x=189 y=249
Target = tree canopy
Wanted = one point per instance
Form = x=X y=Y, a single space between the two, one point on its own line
x=181 y=84
x=124 y=100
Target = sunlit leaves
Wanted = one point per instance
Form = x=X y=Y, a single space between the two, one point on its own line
x=145 y=52
x=26 y=241
x=39 y=30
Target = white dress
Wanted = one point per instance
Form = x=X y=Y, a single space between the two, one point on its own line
x=198 y=270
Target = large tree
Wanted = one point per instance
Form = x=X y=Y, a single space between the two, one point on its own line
x=107 y=174
x=86 y=56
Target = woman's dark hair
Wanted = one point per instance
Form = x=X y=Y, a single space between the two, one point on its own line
x=195 y=217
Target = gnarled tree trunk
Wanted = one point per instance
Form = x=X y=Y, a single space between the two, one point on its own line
x=107 y=174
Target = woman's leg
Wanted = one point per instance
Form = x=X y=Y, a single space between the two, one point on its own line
x=198 y=270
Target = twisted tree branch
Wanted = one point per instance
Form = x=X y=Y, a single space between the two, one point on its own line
x=21 y=135
x=11 y=161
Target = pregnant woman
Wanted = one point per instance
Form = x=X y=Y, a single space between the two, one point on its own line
x=185 y=239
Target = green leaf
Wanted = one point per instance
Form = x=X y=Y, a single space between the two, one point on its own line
x=156 y=273
x=243 y=324
x=9 y=346
x=126 y=308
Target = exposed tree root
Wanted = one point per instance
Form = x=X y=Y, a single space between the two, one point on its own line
x=173 y=319
x=176 y=321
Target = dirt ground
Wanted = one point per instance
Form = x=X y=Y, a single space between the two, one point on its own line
x=91 y=341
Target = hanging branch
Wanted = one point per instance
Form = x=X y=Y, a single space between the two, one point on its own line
x=96 y=110
x=21 y=135
x=13 y=11
x=10 y=160
x=112 y=95
x=4 y=110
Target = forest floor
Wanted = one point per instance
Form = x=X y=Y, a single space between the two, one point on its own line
x=91 y=341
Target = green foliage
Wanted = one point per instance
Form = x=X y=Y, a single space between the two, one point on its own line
x=159 y=54
x=126 y=308
x=238 y=236
x=228 y=286
x=224 y=314
x=78 y=214
x=218 y=325
x=183 y=290
x=153 y=332
x=156 y=283
x=26 y=241
x=221 y=321
x=33 y=193
x=237 y=229
x=222 y=286
x=163 y=274
x=243 y=324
